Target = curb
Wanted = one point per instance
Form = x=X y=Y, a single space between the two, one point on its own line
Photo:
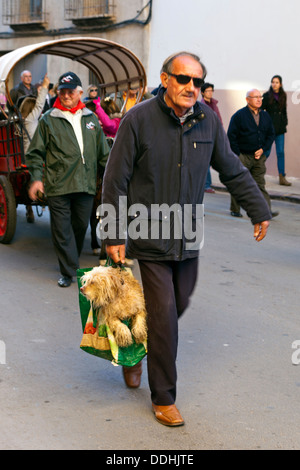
x=281 y=197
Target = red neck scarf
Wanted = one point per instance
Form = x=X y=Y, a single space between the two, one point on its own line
x=57 y=104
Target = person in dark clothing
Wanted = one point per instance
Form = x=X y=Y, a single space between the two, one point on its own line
x=25 y=87
x=165 y=163
x=274 y=102
x=251 y=135
x=207 y=91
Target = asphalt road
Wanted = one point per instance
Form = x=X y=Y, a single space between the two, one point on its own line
x=238 y=387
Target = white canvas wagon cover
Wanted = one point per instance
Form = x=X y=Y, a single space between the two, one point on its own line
x=115 y=66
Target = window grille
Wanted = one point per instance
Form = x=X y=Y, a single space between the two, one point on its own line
x=85 y=9
x=24 y=12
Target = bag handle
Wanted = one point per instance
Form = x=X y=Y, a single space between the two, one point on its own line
x=111 y=263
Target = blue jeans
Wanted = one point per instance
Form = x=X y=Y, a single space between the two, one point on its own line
x=279 y=143
x=208 y=180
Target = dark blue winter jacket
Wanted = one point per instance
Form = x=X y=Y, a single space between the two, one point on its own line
x=246 y=136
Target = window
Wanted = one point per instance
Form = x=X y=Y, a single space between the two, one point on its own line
x=89 y=11
x=24 y=14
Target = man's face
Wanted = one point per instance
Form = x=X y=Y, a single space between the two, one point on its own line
x=182 y=97
x=254 y=100
x=26 y=78
x=69 y=98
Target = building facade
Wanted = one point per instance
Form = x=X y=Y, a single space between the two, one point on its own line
x=243 y=44
x=25 y=22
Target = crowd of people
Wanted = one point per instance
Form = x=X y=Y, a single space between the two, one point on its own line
x=32 y=102
x=162 y=153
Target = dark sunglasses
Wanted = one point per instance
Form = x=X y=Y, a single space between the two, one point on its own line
x=94 y=89
x=185 y=79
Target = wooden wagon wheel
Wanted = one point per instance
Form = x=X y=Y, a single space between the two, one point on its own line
x=8 y=211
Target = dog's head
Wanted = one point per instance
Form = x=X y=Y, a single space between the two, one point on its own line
x=101 y=285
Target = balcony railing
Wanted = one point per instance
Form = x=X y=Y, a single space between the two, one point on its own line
x=24 y=14
x=89 y=12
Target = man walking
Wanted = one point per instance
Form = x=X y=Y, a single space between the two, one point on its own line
x=251 y=134
x=161 y=155
x=72 y=145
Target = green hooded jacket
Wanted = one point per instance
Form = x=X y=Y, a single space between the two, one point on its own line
x=54 y=155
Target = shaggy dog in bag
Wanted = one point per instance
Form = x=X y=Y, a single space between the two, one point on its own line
x=118 y=296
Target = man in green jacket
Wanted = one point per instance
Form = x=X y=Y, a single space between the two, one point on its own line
x=67 y=150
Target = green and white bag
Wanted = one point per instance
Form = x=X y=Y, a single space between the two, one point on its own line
x=97 y=338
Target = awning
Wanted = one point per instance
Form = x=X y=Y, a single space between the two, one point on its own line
x=115 y=66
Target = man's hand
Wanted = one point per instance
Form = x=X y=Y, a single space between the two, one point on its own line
x=260 y=230
x=34 y=188
x=116 y=253
x=258 y=154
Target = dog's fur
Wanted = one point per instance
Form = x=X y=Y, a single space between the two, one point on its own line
x=118 y=296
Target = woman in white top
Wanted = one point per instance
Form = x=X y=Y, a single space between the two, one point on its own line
x=31 y=109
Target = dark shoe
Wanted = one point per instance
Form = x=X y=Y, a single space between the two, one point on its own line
x=132 y=375
x=29 y=215
x=64 y=281
x=167 y=415
x=275 y=214
x=236 y=214
x=210 y=190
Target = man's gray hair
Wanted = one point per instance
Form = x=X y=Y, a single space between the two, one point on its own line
x=251 y=91
x=167 y=66
x=25 y=71
x=78 y=88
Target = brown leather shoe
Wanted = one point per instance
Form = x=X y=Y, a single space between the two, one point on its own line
x=168 y=415
x=132 y=375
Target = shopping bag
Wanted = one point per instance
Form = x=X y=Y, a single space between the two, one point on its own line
x=97 y=338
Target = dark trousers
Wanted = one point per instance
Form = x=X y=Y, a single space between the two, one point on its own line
x=167 y=286
x=94 y=240
x=257 y=169
x=70 y=216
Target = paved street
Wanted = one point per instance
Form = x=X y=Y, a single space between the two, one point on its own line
x=238 y=387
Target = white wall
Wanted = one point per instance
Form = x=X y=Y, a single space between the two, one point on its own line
x=242 y=43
